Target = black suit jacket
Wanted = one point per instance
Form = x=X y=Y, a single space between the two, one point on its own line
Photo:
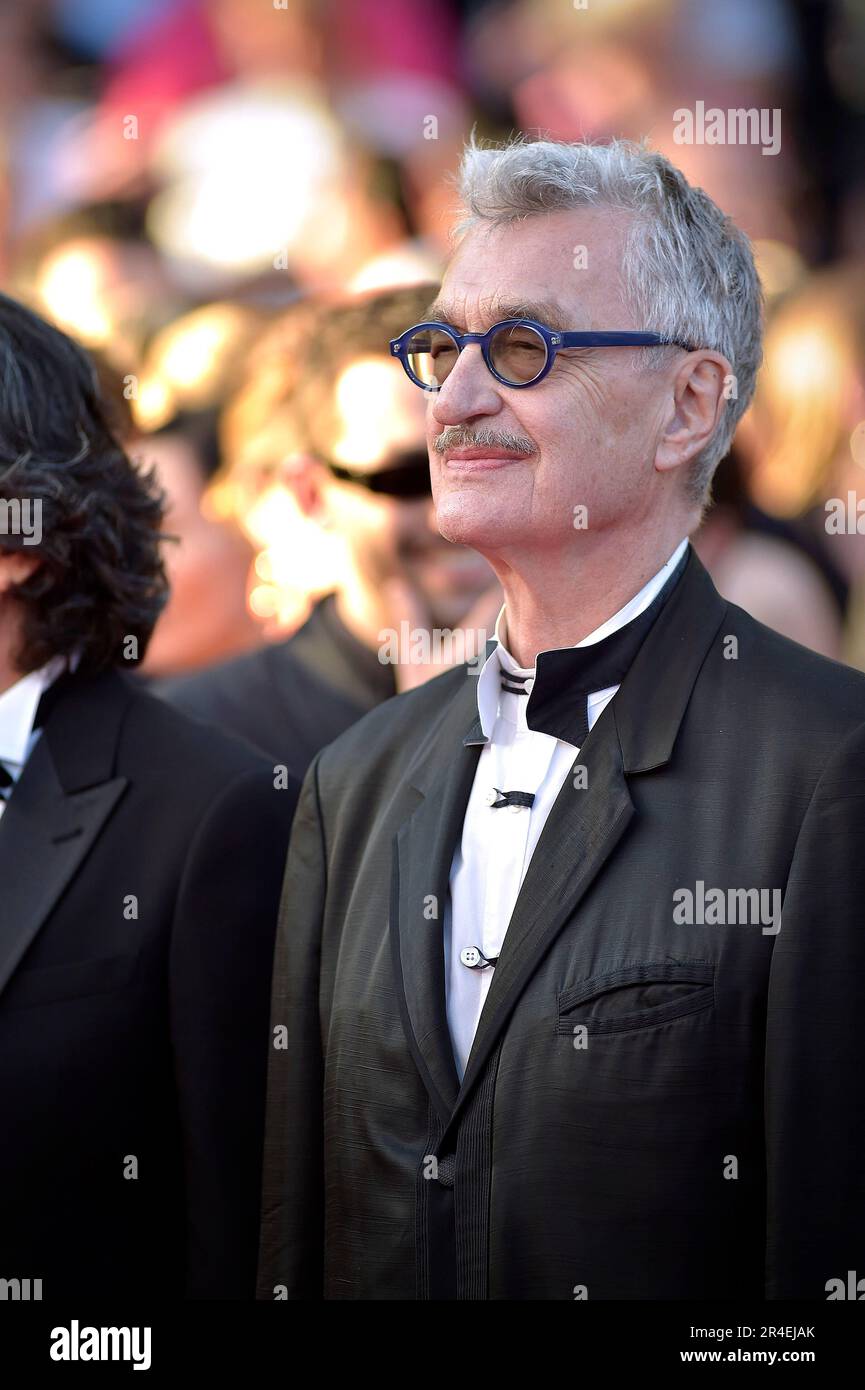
x=289 y=698
x=141 y=857
x=705 y=1136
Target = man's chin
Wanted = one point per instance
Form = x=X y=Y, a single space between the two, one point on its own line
x=474 y=530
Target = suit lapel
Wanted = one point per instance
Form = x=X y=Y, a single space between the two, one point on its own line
x=63 y=798
x=636 y=732
x=423 y=852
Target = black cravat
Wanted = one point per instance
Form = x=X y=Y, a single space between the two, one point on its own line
x=514 y=684
x=565 y=677
x=6 y=781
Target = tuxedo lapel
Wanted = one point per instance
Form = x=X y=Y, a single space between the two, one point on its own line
x=423 y=851
x=636 y=732
x=59 y=806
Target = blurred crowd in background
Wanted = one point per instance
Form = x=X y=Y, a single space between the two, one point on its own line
x=234 y=204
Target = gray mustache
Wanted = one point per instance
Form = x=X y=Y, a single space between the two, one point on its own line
x=458 y=437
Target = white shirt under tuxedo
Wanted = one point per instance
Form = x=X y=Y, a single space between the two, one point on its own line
x=497 y=844
x=18 y=706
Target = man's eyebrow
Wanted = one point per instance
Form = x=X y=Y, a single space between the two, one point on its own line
x=542 y=311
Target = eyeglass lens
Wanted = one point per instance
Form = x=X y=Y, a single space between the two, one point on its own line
x=517 y=352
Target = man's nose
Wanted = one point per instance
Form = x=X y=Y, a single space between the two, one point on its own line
x=469 y=390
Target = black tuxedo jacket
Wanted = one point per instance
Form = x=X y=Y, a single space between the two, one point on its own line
x=652 y=1109
x=289 y=698
x=141 y=857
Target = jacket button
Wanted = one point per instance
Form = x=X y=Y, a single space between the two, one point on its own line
x=446 y=1169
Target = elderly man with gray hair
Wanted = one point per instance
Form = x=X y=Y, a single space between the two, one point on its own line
x=569 y=996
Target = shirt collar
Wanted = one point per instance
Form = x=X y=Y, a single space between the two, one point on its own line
x=18 y=706
x=489 y=680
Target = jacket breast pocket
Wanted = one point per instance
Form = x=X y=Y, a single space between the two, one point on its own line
x=50 y=984
x=637 y=996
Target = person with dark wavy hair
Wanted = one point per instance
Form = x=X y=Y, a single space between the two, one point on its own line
x=95 y=578
x=140 y=864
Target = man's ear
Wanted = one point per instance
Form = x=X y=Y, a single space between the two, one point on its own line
x=304 y=476
x=695 y=409
x=15 y=567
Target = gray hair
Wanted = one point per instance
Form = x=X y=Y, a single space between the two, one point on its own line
x=687 y=270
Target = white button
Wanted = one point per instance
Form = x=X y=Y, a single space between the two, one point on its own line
x=491 y=797
x=470 y=956
x=530 y=685
x=515 y=808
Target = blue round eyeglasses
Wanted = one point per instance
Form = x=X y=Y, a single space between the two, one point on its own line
x=518 y=352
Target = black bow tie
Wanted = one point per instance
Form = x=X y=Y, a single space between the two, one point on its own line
x=47 y=702
x=565 y=677
x=50 y=697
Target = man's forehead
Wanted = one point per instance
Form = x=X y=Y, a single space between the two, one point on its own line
x=494 y=305
x=562 y=268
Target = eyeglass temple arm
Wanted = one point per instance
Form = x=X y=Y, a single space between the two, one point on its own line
x=625 y=338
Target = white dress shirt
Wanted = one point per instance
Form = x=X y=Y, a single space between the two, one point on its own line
x=496 y=846
x=18 y=706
